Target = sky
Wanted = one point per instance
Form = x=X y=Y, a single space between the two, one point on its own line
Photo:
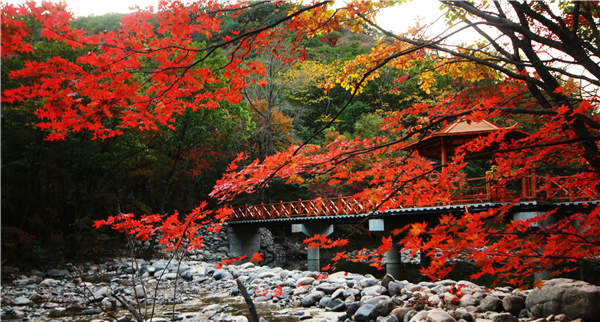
x=397 y=19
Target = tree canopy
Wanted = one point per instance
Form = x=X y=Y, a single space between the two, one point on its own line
x=536 y=69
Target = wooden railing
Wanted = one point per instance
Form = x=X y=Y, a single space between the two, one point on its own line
x=472 y=190
x=304 y=208
x=567 y=188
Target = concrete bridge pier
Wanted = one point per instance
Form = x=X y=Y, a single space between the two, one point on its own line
x=392 y=258
x=525 y=215
x=313 y=257
x=392 y=261
x=243 y=240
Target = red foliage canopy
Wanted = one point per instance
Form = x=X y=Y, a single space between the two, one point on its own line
x=142 y=75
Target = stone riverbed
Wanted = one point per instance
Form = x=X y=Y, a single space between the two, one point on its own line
x=205 y=292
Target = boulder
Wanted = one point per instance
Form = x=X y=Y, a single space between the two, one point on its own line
x=213 y=307
x=338 y=294
x=351 y=307
x=58 y=273
x=91 y=311
x=366 y=282
x=434 y=300
x=409 y=315
x=172 y=276
x=490 y=303
x=21 y=300
x=503 y=317
x=312 y=298
x=400 y=312
x=247 y=265
x=221 y=274
x=435 y=315
x=389 y=318
x=351 y=292
x=48 y=282
x=374 y=290
x=101 y=293
x=107 y=304
x=576 y=299
x=307 y=280
x=395 y=288
x=513 y=304
x=139 y=291
x=327 y=288
x=335 y=305
x=468 y=300
x=365 y=312
x=324 y=301
x=302 y=289
x=463 y=314
x=385 y=281
x=383 y=304
x=266 y=274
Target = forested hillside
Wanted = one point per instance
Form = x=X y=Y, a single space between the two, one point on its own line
x=53 y=190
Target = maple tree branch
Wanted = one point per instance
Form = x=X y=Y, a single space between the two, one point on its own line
x=271 y=25
x=572 y=44
x=178 y=243
x=138 y=317
x=339 y=112
x=249 y=6
x=578 y=236
x=252 y=105
x=357 y=87
x=590 y=19
x=502 y=22
x=248 y=300
x=369 y=72
x=390 y=195
x=402 y=185
x=211 y=49
x=433 y=45
x=588 y=120
x=533 y=146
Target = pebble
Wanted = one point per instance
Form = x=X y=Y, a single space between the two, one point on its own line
x=21 y=300
x=91 y=311
x=287 y=293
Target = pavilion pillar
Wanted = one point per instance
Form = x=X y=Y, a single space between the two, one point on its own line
x=313 y=259
x=444 y=152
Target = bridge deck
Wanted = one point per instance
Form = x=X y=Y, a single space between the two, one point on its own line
x=533 y=205
x=473 y=192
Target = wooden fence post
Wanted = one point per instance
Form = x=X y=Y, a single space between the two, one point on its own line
x=262 y=210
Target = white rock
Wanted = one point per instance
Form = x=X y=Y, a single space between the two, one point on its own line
x=21 y=300
x=139 y=291
x=306 y=280
x=48 y=282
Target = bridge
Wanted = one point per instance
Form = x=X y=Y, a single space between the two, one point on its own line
x=537 y=194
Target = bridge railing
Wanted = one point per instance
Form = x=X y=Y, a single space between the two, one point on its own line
x=567 y=188
x=304 y=208
x=470 y=191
